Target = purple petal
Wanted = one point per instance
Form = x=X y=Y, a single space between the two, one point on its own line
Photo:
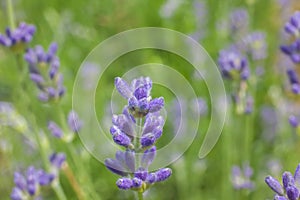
x=156 y=104
x=274 y=185
x=123 y=87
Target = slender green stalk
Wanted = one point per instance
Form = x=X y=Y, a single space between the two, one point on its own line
x=228 y=150
x=10 y=13
x=140 y=196
x=59 y=192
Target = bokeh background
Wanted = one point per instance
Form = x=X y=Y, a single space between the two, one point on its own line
x=262 y=139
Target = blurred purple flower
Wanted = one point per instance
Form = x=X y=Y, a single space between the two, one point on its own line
x=30 y=183
x=74 y=122
x=239 y=21
x=233 y=65
x=43 y=68
x=241 y=177
x=17 y=38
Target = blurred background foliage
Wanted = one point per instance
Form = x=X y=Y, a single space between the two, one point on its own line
x=79 y=26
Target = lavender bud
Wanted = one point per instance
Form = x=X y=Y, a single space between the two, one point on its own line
x=130 y=160
x=19 y=180
x=293 y=121
x=156 y=104
x=115 y=167
x=274 y=185
x=287 y=179
x=42 y=96
x=16 y=194
x=163 y=174
x=45 y=178
x=147 y=140
x=73 y=121
x=292 y=192
x=54 y=129
x=38 y=79
x=57 y=159
x=124 y=183
x=148 y=157
x=121 y=139
x=141 y=92
x=141 y=173
x=136 y=182
x=123 y=88
x=151 y=178
x=297 y=176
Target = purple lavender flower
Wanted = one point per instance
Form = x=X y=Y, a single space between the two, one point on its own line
x=126 y=132
x=29 y=184
x=74 y=122
x=233 y=65
x=294 y=121
x=18 y=38
x=241 y=177
x=290 y=188
x=57 y=159
x=43 y=68
x=292 y=27
x=55 y=129
x=239 y=21
x=140 y=103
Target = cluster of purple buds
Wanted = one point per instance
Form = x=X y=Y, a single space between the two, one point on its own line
x=241 y=177
x=43 y=68
x=17 y=38
x=74 y=125
x=290 y=189
x=292 y=27
x=28 y=185
x=137 y=93
x=293 y=78
x=133 y=163
x=233 y=64
x=239 y=21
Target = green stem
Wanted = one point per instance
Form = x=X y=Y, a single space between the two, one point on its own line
x=227 y=158
x=59 y=192
x=140 y=196
x=10 y=13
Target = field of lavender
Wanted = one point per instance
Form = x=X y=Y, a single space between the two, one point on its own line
x=164 y=99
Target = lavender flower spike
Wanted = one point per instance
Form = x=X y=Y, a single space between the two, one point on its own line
x=29 y=184
x=43 y=69
x=136 y=140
